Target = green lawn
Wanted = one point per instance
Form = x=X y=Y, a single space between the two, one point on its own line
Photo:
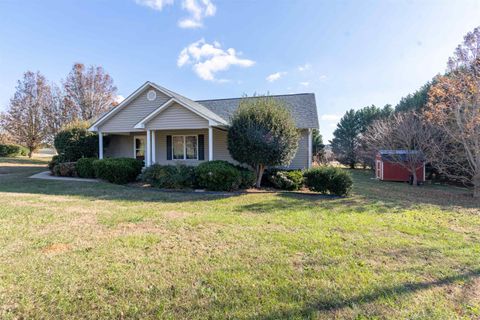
x=85 y=250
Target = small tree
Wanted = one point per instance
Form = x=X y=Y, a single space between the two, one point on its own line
x=90 y=91
x=25 y=118
x=406 y=132
x=318 y=148
x=345 y=141
x=262 y=133
x=74 y=141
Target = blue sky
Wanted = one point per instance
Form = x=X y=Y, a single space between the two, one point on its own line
x=349 y=53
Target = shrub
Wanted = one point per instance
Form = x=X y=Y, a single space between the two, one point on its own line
x=218 y=176
x=118 y=170
x=247 y=178
x=52 y=163
x=9 y=150
x=65 y=169
x=286 y=180
x=75 y=142
x=328 y=179
x=262 y=133
x=169 y=176
x=84 y=167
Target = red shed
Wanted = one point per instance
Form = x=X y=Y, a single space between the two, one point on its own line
x=387 y=167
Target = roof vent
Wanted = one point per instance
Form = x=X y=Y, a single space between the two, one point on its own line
x=151 y=95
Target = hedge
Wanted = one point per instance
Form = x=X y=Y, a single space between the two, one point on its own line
x=65 y=169
x=328 y=180
x=118 y=170
x=84 y=167
x=169 y=176
x=286 y=180
x=12 y=150
x=218 y=176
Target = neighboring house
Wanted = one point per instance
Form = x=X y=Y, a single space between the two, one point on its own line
x=388 y=168
x=160 y=126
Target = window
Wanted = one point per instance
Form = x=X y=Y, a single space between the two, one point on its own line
x=140 y=147
x=185 y=147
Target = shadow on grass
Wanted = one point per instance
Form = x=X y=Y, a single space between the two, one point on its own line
x=391 y=197
x=332 y=304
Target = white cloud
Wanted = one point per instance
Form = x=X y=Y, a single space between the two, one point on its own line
x=275 y=76
x=305 y=83
x=304 y=67
x=330 y=117
x=154 y=4
x=323 y=77
x=119 y=98
x=198 y=9
x=208 y=59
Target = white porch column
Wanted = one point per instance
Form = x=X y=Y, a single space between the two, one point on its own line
x=100 y=145
x=210 y=143
x=310 y=154
x=153 y=148
x=148 y=153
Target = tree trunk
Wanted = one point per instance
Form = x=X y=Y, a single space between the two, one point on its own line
x=476 y=185
x=259 y=171
x=415 y=178
x=30 y=153
x=352 y=165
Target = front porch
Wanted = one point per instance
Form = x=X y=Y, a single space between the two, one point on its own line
x=168 y=146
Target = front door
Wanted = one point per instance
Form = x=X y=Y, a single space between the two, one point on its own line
x=140 y=142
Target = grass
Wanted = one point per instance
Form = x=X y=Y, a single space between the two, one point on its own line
x=75 y=250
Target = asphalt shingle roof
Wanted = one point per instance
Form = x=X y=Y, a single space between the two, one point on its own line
x=302 y=106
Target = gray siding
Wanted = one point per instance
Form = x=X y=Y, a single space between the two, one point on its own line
x=122 y=146
x=161 y=146
x=125 y=119
x=119 y=146
x=220 y=146
x=300 y=161
x=177 y=117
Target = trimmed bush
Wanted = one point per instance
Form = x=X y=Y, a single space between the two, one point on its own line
x=65 y=169
x=84 y=167
x=328 y=180
x=218 y=176
x=52 y=163
x=169 y=176
x=75 y=142
x=247 y=178
x=118 y=170
x=286 y=180
x=10 y=150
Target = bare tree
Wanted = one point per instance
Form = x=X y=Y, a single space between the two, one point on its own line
x=410 y=139
x=57 y=113
x=454 y=107
x=90 y=91
x=25 y=118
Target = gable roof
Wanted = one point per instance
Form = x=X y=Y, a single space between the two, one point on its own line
x=302 y=106
x=219 y=111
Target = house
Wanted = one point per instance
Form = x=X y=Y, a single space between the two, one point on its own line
x=160 y=126
x=389 y=167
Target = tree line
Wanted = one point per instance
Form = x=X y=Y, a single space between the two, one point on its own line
x=439 y=123
x=39 y=108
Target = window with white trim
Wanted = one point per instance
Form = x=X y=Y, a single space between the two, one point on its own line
x=185 y=147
